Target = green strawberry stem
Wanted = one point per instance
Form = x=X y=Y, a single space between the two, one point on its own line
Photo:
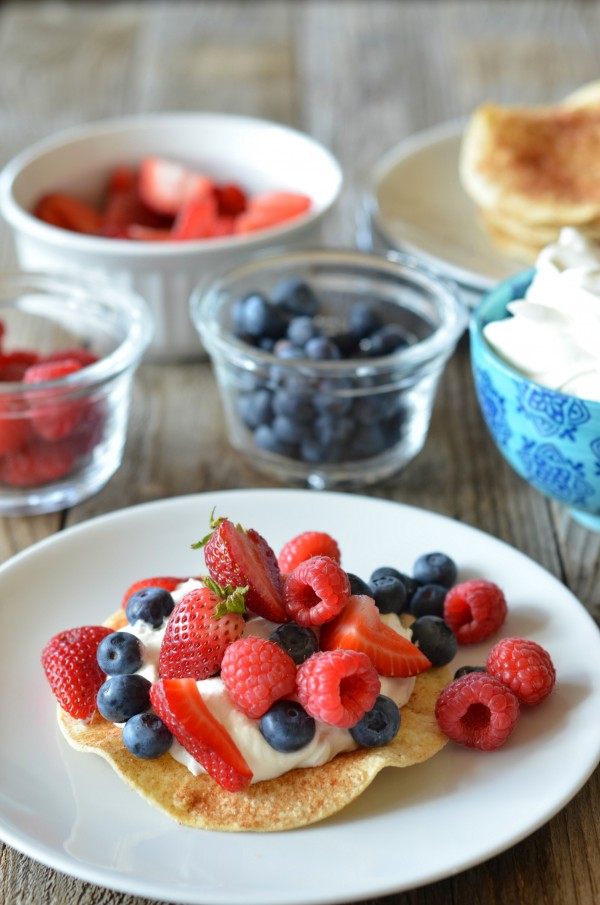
x=232 y=600
x=214 y=524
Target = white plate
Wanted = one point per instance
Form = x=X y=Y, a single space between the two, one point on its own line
x=71 y=812
x=417 y=204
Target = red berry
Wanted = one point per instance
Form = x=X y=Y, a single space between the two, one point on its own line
x=180 y=706
x=478 y=711
x=256 y=673
x=74 y=353
x=524 y=666
x=69 y=661
x=36 y=464
x=316 y=591
x=306 y=545
x=243 y=558
x=359 y=627
x=474 y=610
x=168 y=582
x=15 y=427
x=338 y=687
x=52 y=416
x=199 y=629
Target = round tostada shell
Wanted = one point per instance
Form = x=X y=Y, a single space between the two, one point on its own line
x=296 y=799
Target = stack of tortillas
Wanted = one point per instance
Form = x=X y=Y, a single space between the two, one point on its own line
x=533 y=170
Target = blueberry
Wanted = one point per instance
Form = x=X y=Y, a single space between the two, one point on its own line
x=409 y=583
x=375 y=408
x=295 y=405
x=334 y=428
x=322 y=348
x=379 y=726
x=151 y=605
x=255 y=408
x=386 y=340
x=301 y=329
x=358 y=585
x=428 y=600
x=389 y=594
x=295 y=296
x=465 y=670
x=288 y=430
x=363 y=319
x=296 y=640
x=435 y=639
x=287 y=727
x=435 y=568
x=120 y=654
x=317 y=453
x=121 y=697
x=369 y=440
x=331 y=397
x=266 y=438
x=146 y=736
x=260 y=318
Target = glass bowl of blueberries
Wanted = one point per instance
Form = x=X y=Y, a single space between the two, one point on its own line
x=328 y=361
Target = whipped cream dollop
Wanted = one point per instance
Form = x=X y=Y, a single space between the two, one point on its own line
x=263 y=760
x=553 y=336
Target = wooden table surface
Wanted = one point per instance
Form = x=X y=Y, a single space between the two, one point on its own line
x=359 y=76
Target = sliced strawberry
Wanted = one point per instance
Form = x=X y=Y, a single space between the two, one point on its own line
x=74 y=353
x=243 y=558
x=69 y=661
x=201 y=626
x=68 y=212
x=15 y=427
x=181 y=708
x=165 y=185
x=223 y=226
x=196 y=218
x=359 y=627
x=37 y=463
x=147 y=233
x=231 y=199
x=168 y=582
x=271 y=208
x=122 y=180
x=52 y=416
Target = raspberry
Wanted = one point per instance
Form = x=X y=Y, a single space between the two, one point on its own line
x=316 y=591
x=306 y=545
x=256 y=673
x=338 y=687
x=474 y=610
x=524 y=666
x=478 y=711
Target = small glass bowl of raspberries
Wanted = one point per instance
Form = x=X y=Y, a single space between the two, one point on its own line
x=69 y=349
x=328 y=361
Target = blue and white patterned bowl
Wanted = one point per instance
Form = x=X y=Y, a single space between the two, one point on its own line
x=551 y=439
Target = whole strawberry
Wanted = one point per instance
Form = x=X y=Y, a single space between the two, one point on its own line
x=201 y=626
x=69 y=661
x=239 y=557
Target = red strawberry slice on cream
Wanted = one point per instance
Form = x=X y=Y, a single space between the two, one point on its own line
x=359 y=627
x=180 y=706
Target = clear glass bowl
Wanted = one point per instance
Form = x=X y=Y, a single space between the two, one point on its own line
x=62 y=437
x=348 y=422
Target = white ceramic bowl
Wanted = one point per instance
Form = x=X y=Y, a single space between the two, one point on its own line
x=257 y=154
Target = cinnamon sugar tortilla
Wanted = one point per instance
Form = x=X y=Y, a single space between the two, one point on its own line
x=293 y=800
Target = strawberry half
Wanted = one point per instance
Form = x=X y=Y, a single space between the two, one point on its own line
x=359 y=627
x=239 y=557
x=180 y=706
x=69 y=661
x=201 y=626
